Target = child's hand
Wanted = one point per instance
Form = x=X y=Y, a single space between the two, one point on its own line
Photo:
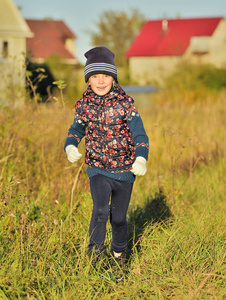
x=73 y=154
x=139 y=166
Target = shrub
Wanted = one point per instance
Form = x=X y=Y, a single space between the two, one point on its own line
x=191 y=77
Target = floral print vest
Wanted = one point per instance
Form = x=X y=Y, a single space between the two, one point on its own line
x=108 y=139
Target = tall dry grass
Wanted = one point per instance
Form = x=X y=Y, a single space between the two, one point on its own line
x=176 y=218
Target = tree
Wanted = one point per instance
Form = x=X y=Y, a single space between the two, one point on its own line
x=117 y=31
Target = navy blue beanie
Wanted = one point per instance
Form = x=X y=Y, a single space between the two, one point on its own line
x=100 y=60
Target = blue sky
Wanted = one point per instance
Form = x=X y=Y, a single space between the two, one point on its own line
x=83 y=15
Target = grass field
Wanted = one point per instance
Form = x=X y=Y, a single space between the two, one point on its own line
x=177 y=224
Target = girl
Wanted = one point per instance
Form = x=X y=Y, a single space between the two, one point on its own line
x=116 y=148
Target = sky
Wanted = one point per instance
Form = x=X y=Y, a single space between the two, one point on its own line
x=82 y=16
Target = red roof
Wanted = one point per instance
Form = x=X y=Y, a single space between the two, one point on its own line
x=49 y=38
x=153 y=41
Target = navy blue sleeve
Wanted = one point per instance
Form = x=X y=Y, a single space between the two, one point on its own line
x=76 y=132
x=139 y=135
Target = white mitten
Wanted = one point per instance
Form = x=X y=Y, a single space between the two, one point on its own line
x=139 y=166
x=73 y=154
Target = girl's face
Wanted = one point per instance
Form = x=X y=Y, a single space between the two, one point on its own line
x=101 y=84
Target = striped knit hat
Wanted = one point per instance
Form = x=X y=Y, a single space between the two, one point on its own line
x=100 y=60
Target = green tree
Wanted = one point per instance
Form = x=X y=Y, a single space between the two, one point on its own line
x=116 y=30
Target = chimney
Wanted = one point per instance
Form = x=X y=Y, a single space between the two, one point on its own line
x=164 y=26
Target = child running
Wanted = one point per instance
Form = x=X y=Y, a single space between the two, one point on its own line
x=116 y=149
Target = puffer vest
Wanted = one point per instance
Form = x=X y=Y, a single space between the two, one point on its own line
x=108 y=139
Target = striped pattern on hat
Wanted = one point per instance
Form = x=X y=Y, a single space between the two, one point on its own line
x=100 y=67
x=100 y=60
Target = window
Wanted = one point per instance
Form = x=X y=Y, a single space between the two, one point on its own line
x=5 y=49
x=200 y=44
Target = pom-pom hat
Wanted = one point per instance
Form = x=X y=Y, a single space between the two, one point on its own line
x=100 y=60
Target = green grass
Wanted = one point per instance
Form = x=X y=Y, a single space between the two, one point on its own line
x=176 y=220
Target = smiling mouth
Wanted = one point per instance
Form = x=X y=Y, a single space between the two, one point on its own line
x=101 y=87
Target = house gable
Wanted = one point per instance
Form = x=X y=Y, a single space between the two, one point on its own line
x=11 y=21
x=170 y=37
x=52 y=37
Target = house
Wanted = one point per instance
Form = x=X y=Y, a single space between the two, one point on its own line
x=51 y=37
x=162 y=44
x=34 y=39
x=13 y=34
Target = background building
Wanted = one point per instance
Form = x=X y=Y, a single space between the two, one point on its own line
x=13 y=34
x=162 y=44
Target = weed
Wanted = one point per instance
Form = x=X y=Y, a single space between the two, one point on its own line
x=176 y=220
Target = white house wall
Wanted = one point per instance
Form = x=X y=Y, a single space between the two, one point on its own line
x=218 y=45
x=215 y=47
x=151 y=70
x=12 y=72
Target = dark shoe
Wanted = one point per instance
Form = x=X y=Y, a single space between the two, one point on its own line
x=96 y=257
x=118 y=265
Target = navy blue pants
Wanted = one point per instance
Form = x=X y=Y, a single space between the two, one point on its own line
x=109 y=197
